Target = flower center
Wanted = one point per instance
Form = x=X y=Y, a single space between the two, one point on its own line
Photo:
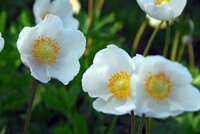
x=161 y=2
x=45 y=50
x=158 y=86
x=119 y=85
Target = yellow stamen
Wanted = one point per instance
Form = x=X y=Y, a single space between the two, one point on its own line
x=160 y=2
x=45 y=50
x=158 y=86
x=119 y=85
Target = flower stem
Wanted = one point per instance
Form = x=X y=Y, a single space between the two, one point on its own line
x=167 y=40
x=111 y=128
x=148 y=120
x=151 y=39
x=191 y=55
x=175 y=46
x=99 y=7
x=90 y=10
x=141 y=124
x=181 y=51
x=28 y=115
x=88 y=26
x=138 y=36
x=132 y=122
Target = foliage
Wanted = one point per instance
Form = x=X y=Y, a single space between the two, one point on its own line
x=59 y=109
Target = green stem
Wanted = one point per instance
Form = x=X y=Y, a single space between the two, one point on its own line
x=148 y=120
x=175 y=46
x=151 y=39
x=111 y=128
x=28 y=115
x=90 y=10
x=141 y=124
x=132 y=122
x=167 y=40
x=138 y=36
x=191 y=55
x=181 y=52
x=99 y=8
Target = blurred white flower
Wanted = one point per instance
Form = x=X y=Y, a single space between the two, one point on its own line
x=163 y=88
x=155 y=23
x=60 y=8
x=1 y=42
x=188 y=38
x=51 y=51
x=109 y=80
x=76 y=6
x=162 y=9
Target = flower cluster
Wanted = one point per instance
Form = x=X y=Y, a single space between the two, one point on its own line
x=150 y=85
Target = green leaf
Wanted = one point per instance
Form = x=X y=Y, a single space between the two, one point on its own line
x=63 y=130
x=196 y=81
x=3 y=18
x=79 y=124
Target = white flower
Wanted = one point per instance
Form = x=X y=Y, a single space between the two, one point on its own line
x=109 y=80
x=76 y=6
x=163 y=88
x=188 y=38
x=162 y=9
x=154 y=23
x=50 y=50
x=60 y=8
x=1 y=42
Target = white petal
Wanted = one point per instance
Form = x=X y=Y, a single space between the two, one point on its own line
x=71 y=22
x=61 y=8
x=116 y=58
x=95 y=82
x=70 y=40
x=40 y=9
x=178 y=6
x=143 y=2
x=38 y=71
x=128 y=106
x=1 y=42
x=64 y=69
x=138 y=60
x=49 y=26
x=163 y=12
x=188 y=97
x=109 y=107
x=26 y=39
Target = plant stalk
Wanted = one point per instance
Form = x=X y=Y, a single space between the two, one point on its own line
x=28 y=115
x=151 y=39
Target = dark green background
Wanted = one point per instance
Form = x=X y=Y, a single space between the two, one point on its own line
x=60 y=109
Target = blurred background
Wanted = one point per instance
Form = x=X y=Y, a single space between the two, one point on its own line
x=60 y=109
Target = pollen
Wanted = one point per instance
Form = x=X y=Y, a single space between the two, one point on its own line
x=45 y=50
x=161 y=2
x=158 y=86
x=119 y=85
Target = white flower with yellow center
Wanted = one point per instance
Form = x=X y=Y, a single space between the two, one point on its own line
x=60 y=8
x=164 y=88
x=109 y=80
x=162 y=9
x=1 y=42
x=50 y=50
x=76 y=6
